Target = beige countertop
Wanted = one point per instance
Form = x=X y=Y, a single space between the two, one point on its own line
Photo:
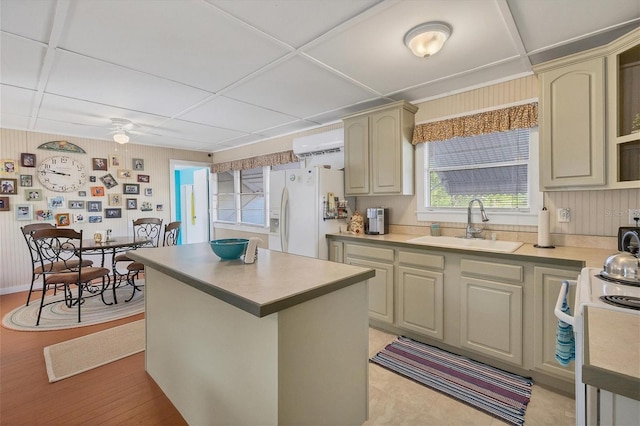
x=581 y=256
x=612 y=351
x=274 y=282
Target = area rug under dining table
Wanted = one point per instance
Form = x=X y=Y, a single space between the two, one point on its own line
x=496 y=392
x=58 y=316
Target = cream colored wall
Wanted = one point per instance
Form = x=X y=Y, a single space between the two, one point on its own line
x=15 y=264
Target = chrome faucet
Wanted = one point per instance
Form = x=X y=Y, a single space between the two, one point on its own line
x=471 y=231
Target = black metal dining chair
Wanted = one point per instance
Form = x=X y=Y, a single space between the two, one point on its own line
x=148 y=228
x=62 y=266
x=171 y=234
x=36 y=268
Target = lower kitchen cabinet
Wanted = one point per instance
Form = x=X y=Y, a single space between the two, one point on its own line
x=491 y=309
x=380 y=286
x=421 y=301
x=547 y=284
x=336 y=251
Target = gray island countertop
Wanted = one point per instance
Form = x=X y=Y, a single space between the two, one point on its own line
x=275 y=281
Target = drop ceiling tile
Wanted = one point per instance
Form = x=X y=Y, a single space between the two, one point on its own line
x=194 y=131
x=337 y=115
x=98 y=116
x=299 y=88
x=294 y=22
x=20 y=61
x=16 y=101
x=72 y=129
x=231 y=114
x=544 y=23
x=189 y=42
x=87 y=79
x=30 y=19
x=288 y=128
x=372 y=51
x=13 y=121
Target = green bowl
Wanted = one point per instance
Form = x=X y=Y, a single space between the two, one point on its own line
x=229 y=248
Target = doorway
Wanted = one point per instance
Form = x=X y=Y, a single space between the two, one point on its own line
x=190 y=200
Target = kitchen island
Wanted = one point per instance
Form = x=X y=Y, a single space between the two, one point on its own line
x=280 y=341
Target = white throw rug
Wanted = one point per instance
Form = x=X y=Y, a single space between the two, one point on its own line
x=58 y=316
x=84 y=353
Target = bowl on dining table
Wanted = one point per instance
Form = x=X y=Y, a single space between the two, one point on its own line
x=229 y=248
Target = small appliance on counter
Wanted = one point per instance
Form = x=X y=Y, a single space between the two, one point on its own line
x=377 y=221
x=628 y=244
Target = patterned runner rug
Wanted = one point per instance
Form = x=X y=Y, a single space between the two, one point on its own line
x=498 y=393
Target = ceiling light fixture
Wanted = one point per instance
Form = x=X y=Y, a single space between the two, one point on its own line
x=427 y=39
x=121 y=136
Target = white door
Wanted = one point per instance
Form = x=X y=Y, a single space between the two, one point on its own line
x=195 y=209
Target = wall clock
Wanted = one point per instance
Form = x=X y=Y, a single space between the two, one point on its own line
x=61 y=174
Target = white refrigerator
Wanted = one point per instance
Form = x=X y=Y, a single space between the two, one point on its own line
x=296 y=204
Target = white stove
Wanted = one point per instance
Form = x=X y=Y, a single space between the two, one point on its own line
x=591 y=288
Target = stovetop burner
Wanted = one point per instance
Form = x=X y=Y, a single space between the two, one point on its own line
x=617 y=281
x=630 y=302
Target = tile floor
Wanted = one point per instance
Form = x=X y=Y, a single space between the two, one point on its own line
x=394 y=400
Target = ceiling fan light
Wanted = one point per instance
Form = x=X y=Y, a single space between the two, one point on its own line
x=427 y=39
x=121 y=137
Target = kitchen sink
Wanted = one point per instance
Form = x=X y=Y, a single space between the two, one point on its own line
x=468 y=244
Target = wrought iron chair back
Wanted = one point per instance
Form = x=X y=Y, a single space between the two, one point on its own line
x=148 y=228
x=27 y=233
x=61 y=265
x=171 y=233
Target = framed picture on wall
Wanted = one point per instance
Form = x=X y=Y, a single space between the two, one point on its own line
x=27 y=160
x=55 y=202
x=63 y=219
x=95 y=219
x=26 y=180
x=131 y=189
x=4 y=204
x=8 y=186
x=125 y=173
x=44 y=215
x=137 y=164
x=97 y=191
x=82 y=193
x=148 y=192
x=94 y=206
x=33 y=195
x=78 y=218
x=99 y=163
x=144 y=178
x=108 y=181
x=113 y=213
x=115 y=200
x=24 y=212
x=9 y=167
x=76 y=204
x=114 y=161
x=132 y=204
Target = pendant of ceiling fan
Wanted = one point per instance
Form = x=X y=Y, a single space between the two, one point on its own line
x=120 y=134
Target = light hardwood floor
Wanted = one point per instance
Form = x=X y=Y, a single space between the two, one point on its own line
x=123 y=393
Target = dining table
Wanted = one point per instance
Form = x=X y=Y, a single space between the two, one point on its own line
x=111 y=248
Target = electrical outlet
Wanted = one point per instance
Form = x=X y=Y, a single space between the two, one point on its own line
x=633 y=215
x=564 y=215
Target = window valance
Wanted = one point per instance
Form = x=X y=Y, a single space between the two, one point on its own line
x=499 y=120
x=253 y=162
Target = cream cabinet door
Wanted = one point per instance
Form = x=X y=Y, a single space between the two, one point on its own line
x=386 y=152
x=356 y=155
x=491 y=318
x=572 y=132
x=380 y=288
x=421 y=301
x=336 y=251
x=547 y=283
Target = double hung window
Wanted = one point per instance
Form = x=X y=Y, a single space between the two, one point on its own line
x=241 y=196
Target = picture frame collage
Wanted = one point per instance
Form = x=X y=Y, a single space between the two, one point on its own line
x=16 y=178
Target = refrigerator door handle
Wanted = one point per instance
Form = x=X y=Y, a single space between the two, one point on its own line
x=284 y=220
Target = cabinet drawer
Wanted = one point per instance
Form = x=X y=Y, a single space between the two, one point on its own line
x=495 y=271
x=377 y=253
x=423 y=260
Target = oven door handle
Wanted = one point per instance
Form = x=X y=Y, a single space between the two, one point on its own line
x=564 y=290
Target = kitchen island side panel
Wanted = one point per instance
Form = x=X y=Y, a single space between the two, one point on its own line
x=221 y=365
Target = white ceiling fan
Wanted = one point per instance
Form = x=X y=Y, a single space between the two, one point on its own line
x=120 y=130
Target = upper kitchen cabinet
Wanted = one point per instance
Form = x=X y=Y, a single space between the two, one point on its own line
x=623 y=82
x=378 y=151
x=590 y=118
x=572 y=123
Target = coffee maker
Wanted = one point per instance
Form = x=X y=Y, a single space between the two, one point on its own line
x=377 y=221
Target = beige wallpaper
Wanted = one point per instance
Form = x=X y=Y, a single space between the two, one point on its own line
x=15 y=265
